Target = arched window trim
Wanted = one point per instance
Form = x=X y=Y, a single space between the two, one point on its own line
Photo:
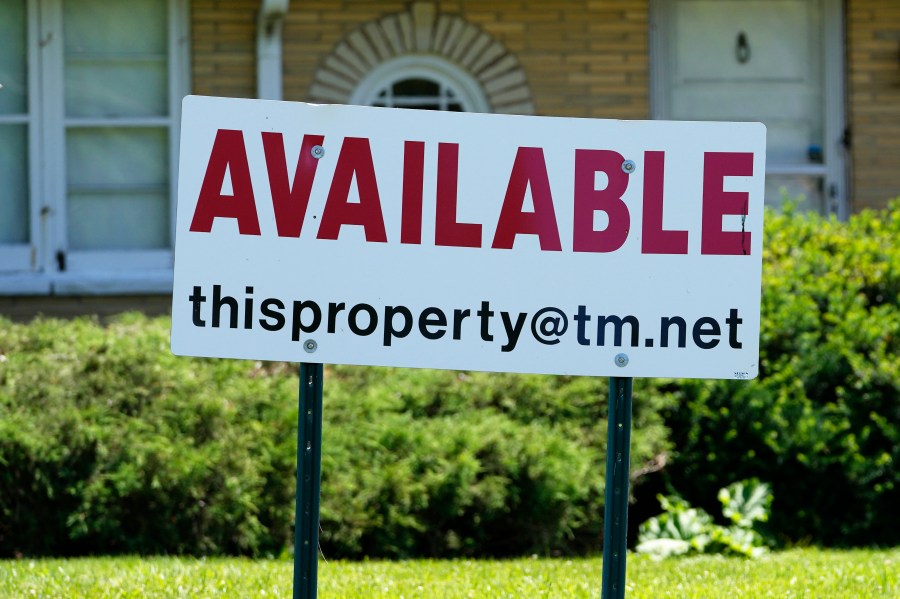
x=491 y=74
x=466 y=88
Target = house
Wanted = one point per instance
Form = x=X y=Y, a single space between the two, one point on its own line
x=91 y=92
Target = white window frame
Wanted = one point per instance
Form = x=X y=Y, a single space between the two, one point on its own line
x=834 y=170
x=37 y=269
x=18 y=261
x=466 y=88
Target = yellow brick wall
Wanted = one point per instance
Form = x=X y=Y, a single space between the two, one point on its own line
x=586 y=58
x=25 y=308
x=311 y=31
x=580 y=57
x=223 y=47
x=873 y=50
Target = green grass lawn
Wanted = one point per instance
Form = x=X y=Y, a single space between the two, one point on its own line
x=797 y=573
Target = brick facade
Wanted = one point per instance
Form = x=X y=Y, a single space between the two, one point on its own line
x=27 y=307
x=580 y=58
x=873 y=53
x=583 y=58
x=223 y=47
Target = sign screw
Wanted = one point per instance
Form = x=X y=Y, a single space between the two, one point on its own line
x=310 y=346
x=318 y=152
x=621 y=360
x=629 y=167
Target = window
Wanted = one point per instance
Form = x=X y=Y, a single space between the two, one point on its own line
x=419 y=81
x=423 y=58
x=422 y=93
x=15 y=126
x=88 y=169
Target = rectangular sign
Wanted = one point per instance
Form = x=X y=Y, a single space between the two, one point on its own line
x=359 y=235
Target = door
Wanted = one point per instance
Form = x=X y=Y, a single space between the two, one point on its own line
x=774 y=61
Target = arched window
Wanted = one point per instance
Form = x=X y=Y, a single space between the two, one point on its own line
x=423 y=59
x=425 y=82
x=422 y=92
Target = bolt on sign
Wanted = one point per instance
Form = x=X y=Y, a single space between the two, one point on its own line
x=359 y=235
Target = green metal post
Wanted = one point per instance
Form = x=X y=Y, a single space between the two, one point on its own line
x=309 y=479
x=615 y=512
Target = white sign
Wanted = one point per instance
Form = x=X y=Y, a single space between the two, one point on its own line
x=357 y=235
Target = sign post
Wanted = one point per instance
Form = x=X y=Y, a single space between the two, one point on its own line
x=309 y=476
x=615 y=510
x=425 y=239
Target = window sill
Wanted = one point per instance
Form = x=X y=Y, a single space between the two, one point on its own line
x=24 y=284
x=88 y=283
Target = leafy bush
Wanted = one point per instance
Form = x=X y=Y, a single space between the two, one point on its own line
x=822 y=421
x=438 y=463
x=683 y=529
x=109 y=444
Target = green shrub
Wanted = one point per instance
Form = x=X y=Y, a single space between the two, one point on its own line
x=109 y=444
x=439 y=463
x=822 y=421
